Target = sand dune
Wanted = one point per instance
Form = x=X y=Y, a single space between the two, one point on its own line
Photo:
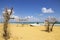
x=27 y=32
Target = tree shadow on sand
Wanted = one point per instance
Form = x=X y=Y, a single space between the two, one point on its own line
x=45 y=30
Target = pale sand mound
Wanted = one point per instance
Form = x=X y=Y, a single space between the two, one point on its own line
x=27 y=32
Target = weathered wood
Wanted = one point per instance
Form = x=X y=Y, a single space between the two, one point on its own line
x=50 y=23
x=6 y=16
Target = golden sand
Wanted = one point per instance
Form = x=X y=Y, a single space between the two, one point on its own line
x=27 y=32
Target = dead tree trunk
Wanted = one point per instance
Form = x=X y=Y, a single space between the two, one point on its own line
x=53 y=25
x=50 y=23
x=6 y=16
x=6 y=34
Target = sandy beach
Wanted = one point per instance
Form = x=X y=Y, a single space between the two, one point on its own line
x=27 y=32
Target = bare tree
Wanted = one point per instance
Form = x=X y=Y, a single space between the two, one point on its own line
x=53 y=21
x=6 y=14
x=49 y=23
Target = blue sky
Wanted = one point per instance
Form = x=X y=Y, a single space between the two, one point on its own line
x=25 y=8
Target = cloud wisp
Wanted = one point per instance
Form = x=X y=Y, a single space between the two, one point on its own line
x=32 y=18
x=40 y=14
x=49 y=10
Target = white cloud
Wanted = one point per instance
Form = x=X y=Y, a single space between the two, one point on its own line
x=51 y=19
x=45 y=10
x=9 y=10
x=40 y=14
x=13 y=16
x=1 y=17
x=29 y=17
x=32 y=18
x=58 y=19
x=16 y=18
